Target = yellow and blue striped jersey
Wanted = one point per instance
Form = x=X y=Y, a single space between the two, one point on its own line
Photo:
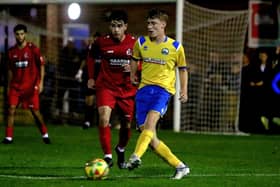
x=159 y=61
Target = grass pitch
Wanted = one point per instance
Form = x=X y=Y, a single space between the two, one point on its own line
x=215 y=160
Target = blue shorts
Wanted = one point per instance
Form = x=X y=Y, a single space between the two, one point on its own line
x=150 y=98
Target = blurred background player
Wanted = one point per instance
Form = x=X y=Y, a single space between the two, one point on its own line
x=160 y=55
x=68 y=87
x=26 y=77
x=113 y=87
x=82 y=77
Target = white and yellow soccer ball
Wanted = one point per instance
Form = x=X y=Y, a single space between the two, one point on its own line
x=96 y=169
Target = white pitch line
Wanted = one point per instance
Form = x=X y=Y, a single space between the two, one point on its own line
x=139 y=176
x=237 y=175
x=41 y=177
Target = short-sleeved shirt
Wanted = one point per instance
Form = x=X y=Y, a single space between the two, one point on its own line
x=113 y=56
x=25 y=65
x=159 y=61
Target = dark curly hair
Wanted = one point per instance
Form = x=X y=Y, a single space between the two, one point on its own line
x=119 y=15
x=20 y=27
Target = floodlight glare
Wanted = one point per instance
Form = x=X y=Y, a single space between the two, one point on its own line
x=74 y=11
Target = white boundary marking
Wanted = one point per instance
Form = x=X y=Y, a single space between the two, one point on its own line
x=140 y=176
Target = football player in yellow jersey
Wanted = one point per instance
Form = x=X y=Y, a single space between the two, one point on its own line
x=160 y=56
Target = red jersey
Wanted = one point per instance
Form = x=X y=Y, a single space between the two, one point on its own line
x=25 y=66
x=113 y=55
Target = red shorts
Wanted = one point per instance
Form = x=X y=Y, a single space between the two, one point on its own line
x=27 y=99
x=107 y=97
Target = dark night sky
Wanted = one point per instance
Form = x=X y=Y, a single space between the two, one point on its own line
x=222 y=4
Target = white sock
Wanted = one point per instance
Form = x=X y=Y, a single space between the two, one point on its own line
x=9 y=138
x=181 y=165
x=45 y=135
x=121 y=149
x=108 y=156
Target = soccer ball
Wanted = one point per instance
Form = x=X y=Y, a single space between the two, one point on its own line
x=96 y=169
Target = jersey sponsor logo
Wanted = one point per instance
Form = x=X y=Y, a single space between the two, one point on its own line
x=119 y=62
x=154 y=61
x=145 y=48
x=21 y=64
x=165 y=51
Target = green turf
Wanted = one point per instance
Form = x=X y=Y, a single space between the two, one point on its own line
x=215 y=160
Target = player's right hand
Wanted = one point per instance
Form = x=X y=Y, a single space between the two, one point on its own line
x=91 y=83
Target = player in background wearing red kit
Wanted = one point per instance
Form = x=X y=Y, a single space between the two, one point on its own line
x=26 y=77
x=113 y=86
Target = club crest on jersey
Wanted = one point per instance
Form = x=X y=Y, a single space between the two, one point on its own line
x=145 y=48
x=164 y=51
x=25 y=55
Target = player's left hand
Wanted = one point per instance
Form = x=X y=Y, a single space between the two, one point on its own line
x=183 y=97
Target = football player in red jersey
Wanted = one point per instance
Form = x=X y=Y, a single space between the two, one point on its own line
x=113 y=85
x=26 y=77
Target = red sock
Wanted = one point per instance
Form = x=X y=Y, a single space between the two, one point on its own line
x=43 y=129
x=124 y=136
x=9 y=132
x=105 y=139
